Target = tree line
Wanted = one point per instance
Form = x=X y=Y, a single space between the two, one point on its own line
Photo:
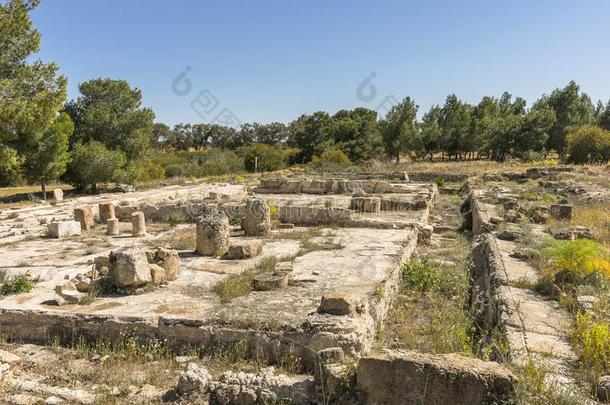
x=106 y=135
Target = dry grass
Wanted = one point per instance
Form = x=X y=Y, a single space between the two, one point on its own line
x=595 y=217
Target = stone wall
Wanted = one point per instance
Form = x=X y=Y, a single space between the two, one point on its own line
x=329 y=186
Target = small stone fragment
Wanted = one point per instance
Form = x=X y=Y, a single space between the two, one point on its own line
x=58 y=195
x=561 y=211
x=157 y=273
x=129 y=268
x=245 y=249
x=194 y=378
x=8 y=357
x=271 y=281
x=340 y=303
x=365 y=204
x=67 y=293
x=603 y=388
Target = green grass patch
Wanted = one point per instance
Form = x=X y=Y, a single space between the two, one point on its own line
x=18 y=284
x=237 y=285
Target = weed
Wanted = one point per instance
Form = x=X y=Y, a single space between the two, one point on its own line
x=593 y=339
x=237 y=285
x=176 y=218
x=440 y=182
x=532 y=387
x=16 y=284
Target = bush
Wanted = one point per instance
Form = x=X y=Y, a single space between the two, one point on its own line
x=213 y=162
x=588 y=145
x=93 y=163
x=593 y=337
x=15 y=284
x=265 y=158
x=331 y=159
x=577 y=259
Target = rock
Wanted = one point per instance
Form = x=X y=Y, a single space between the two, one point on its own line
x=8 y=357
x=101 y=261
x=138 y=224
x=129 y=268
x=510 y=232
x=425 y=233
x=167 y=259
x=81 y=283
x=84 y=215
x=331 y=355
x=245 y=249
x=561 y=211
x=257 y=219
x=112 y=227
x=270 y=281
x=339 y=303
x=358 y=192
x=4 y=367
x=53 y=400
x=603 y=388
x=496 y=220
x=212 y=232
x=106 y=211
x=23 y=399
x=67 y=293
x=586 y=302
x=286 y=226
x=398 y=377
x=525 y=253
x=513 y=216
x=365 y=204
x=157 y=273
x=123 y=188
x=536 y=173
x=58 y=195
x=194 y=378
x=571 y=233
x=63 y=229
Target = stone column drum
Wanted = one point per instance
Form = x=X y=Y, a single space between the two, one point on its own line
x=257 y=219
x=112 y=227
x=212 y=232
x=84 y=215
x=138 y=224
x=106 y=212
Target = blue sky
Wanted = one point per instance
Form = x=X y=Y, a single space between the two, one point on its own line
x=274 y=60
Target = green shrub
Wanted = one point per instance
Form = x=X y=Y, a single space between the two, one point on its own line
x=419 y=276
x=572 y=261
x=93 y=163
x=331 y=159
x=16 y=284
x=440 y=182
x=593 y=338
x=588 y=145
x=265 y=158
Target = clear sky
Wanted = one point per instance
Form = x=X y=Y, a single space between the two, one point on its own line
x=274 y=60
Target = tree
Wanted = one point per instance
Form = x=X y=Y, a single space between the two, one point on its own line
x=309 y=134
x=430 y=131
x=604 y=117
x=455 y=125
x=572 y=110
x=356 y=133
x=261 y=157
x=93 y=163
x=160 y=135
x=589 y=144
x=31 y=92
x=47 y=157
x=110 y=111
x=400 y=130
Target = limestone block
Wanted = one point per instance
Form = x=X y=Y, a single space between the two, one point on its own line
x=84 y=215
x=106 y=212
x=129 y=268
x=257 y=219
x=58 y=195
x=340 y=303
x=64 y=229
x=194 y=378
x=244 y=249
x=270 y=281
x=561 y=211
x=212 y=232
x=396 y=377
x=365 y=204
x=112 y=227
x=167 y=259
x=157 y=274
x=138 y=224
